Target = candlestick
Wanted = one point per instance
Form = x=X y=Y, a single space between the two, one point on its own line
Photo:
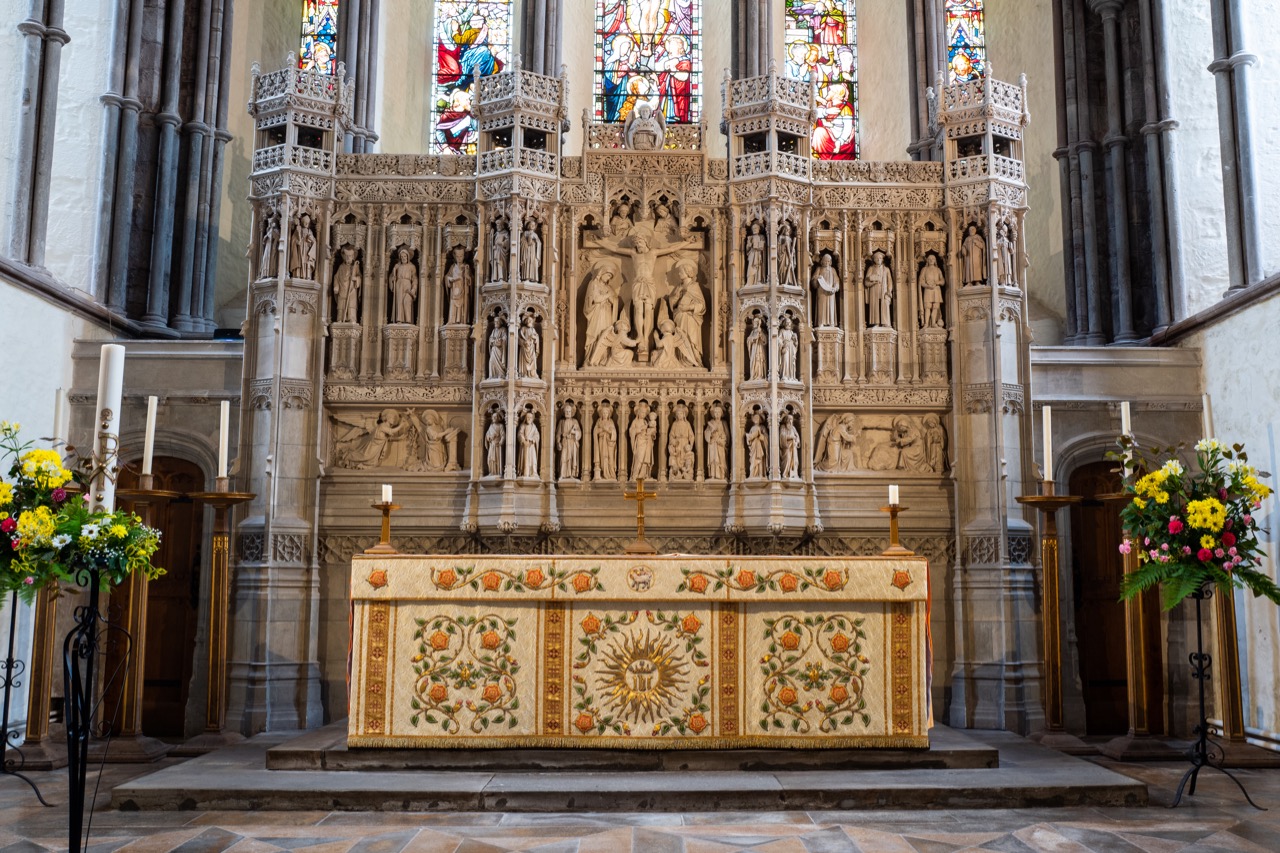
x=386 y=493
x=1206 y=416
x=1047 y=425
x=895 y=548
x=893 y=495
x=102 y=492
x=224 y=424
x=384 y=545
x=149 y=441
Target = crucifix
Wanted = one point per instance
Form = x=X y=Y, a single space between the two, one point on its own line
x=640 y=545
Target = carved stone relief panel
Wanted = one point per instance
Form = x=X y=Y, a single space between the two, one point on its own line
x=849 y=442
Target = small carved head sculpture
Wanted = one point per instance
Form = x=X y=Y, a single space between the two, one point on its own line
x=786 y=321
x=496 y=417
x=641 y=242
x=459 y=253
x=755 y=227
x=528 y=319
x=666 y=325
x=826 y=260
x=930 y=261
x=642 y=409
x=682 y=411
x=403 y=255
x=528 y=416
x=688 y=271
x=569 y=409
x=973 y=229
x=931 y=421
x=348 y=253
x=305 y=220
x=390 y=417
x=878 y=258
x=606 y=410
x=620 y=326
x=755 y=322
x=717 y=411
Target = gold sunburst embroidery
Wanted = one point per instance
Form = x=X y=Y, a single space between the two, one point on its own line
x=642 y=676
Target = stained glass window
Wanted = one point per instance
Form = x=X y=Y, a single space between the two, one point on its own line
x=821 y=42
x=649 y=50
x=966 y=40
x=473 y=40
x=319 y=50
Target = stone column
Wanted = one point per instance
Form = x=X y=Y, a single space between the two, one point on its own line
x=1169 y=142
x=194 y=134
x=1152 y=133
x=118 y=225
x=156 y=318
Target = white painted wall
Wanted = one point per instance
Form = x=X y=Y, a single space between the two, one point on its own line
x=407 y=56
x=12 y=51
x=885 y=98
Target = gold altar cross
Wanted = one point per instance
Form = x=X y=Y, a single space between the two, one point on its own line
x=640 y=545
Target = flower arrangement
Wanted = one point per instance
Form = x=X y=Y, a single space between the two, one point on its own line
x=1192 y=528
x=47 y=533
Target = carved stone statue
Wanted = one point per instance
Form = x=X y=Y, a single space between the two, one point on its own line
x=835 y=449
x=757 y=350
x=440 y=440
x=665 y=225
x=404 y=287
x=931 y=284
x=671 y=348
x=614 y=348
x=499 y=250
x=716 y=435
x=907 y=438
x=879 y=292
x=935 y=441
x=644 y=129
x=604 y=438
x=826 y=284
x=788 y=351
x=270 y=247
x=689 y=308
x=498 y=348
x=530 y=347
x=369 y=441
x=757 y=246
x=600 y=305
x=786 y=255
x=528 y=438
x=530 y=252
x=643 y=431
x=757 y=447
x=680 y=445
x=302 y=249
x=347 y=283
x=457 y=283
x=495 y=443
x=569 y=443
x=620 y=222
x=973 y=257
x=789 y=447
x=1004 y=254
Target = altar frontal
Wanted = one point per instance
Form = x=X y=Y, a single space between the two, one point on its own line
x=653 y=652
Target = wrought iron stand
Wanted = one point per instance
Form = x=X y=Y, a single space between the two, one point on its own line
x=1204 y=752
x=10 y=670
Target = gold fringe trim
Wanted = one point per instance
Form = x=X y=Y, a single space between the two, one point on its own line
x=551 y=742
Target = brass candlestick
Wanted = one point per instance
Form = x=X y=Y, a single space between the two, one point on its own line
x=1055 y=734
x=222 y=499
x=895 y=548
x=384 y=546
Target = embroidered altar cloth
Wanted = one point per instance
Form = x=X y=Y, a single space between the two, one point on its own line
x=639 y=652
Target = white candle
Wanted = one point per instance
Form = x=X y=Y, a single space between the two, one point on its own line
x=1047 y=425
x=149 y=441
x=224 y=429
x=1206 y=416
x=386 y=493
x=106 y=426
x=57 y=415
x=893 y=495
x=1126 y=427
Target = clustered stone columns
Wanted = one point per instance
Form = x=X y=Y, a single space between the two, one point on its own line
x=358 y=49
x=540 y=44
x=753 y=29
x=42 y=57
x=1230 y=67
x=929 y=63
x=1159 y=142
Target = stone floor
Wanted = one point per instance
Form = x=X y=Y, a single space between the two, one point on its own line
x=1216 y=819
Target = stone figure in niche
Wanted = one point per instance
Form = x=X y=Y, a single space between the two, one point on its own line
x=757 y=447
x=757 y=350
x=680 y=445
x=671 y=348
x=404 y=287
x=440 y=439
x=270 y=247
x=690 y=308
x=645 y=128
x=620 y=222
x=614 y=347
x=665 y=225
x=836 y=445
x=757 y=246
x=369 y=441
x=604 y=438
x=528 y=439
x=569 y=443
x=931 y=284
x=457 y=283
x=530 y=346
x=935 y=440
x=347 y=282
x=495 y=442
x=789 y=447
x=788 y=351
x=826 y=284
x=1004 y=254
x=786 y=255
x=644 y=256
x=302 y=249
x=879 y=289
x=643 y=432
x=716 y=435
x=499 y=250
x=912 y=453
x=600 y=305
x=530 y=252
x=973 y=257
x=498 y=348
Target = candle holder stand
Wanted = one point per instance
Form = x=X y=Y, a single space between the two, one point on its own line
x=895 y=548
x=12 y=758
x=1054 y=735
x=223 y=500
x=384 y=545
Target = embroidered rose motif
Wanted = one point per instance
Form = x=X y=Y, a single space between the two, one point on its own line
x=790 y=641
x=585 y=722
x=490 y=640
x=833 y=579
x=787 y=696
x=439 y=641
x=788 y=582
x=697 y=723
x=491 y=693
x=840 y=643
x=839 y=693
x=491 y=581
x=591 y=624
x=746 y=578
x=378 y=578
x=534 y=577
x=901 y=579
x=438 y=693
x=582 y=582
x=690 y=624
x=698 y=583
x=446 y=579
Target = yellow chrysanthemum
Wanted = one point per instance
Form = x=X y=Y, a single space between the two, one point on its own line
x=6 y=494
x=118 y=531
x=36 y=526
x=1208 y=542
x=1162 y=497
x=44 y=468
x=1206 y=514
x=1257 y=489
x=1149 y=486
x=1139 y=503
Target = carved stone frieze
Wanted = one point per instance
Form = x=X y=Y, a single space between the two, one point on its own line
x=434 y=392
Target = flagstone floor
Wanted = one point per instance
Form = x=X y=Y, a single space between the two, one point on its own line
x=1218 y=819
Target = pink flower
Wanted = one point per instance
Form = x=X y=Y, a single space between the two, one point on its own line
x=1227 y=565
x=29 y=580
x=1125 y=547
x=1205 y=555
x=1219 y=553
x=8 y=525
x=1175 y=525
x=1222 y=494
x=59 y=495
x=1146 y=540
x=1153 y=553
x=1248 y=519
x=1228 y=539
x=1227 y=524
x=1232 y=552
x=1186 y=549
x=1164 y=546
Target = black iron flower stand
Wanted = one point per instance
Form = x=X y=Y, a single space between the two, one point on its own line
x=1204 y=752
x=11 y=758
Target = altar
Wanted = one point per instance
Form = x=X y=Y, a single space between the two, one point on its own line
x=645 y=652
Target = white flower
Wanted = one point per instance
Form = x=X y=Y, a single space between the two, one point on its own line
x=62 y=540
x=1173 y=468
x=89 y=531
x=1205 y=445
